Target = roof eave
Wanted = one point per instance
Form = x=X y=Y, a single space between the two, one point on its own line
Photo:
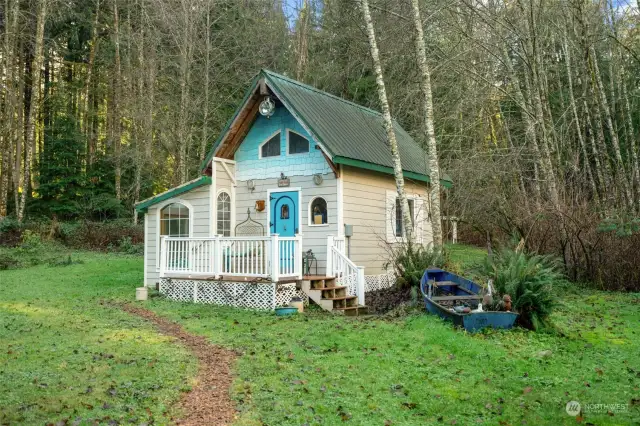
x=387 y=170
x=143 y=206
x=221 y=137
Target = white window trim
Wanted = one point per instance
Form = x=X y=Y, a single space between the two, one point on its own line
x=418 y=219
x=302 y=136
x=268 y=209
x=267 y=140
x=158 y=228
x=215 y=205
x=309 y=220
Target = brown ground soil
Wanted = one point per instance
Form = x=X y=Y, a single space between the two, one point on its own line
x=385 y=300
x=209 y=402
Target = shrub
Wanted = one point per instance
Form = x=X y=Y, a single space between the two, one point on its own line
x=410 y=260
x=7 y=261
x=10 y=232
x=127 y=246
x=102 y=235
x=529 y=280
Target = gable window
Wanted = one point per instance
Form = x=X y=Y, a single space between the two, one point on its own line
x=298 y=144
x=174 y=220
x=318 y=212
x=271 y=148
x=224 y=214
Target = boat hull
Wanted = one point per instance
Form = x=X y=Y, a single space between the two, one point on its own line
x=473 y=321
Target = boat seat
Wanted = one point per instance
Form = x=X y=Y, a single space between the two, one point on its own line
x=465 y=297
x=445 y=283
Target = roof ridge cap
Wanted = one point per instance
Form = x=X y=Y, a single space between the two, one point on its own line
x=322 y=92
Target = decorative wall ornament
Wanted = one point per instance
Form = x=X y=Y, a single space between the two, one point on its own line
x=283 y=181
x=317 y=179
x=267 y=107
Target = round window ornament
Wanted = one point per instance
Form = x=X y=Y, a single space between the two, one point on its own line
x=317 y=179
x=267 y=107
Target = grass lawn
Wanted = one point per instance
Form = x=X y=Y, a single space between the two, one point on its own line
x=63 y=354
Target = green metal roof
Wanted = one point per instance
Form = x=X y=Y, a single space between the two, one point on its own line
x=350 y=133
x=143 y=206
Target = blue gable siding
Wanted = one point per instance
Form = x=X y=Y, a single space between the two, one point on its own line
x=249 y=165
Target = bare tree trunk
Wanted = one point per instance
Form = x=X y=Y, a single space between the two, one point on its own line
x=205 y=112
x=11 y=20
x=428 y=127
x=526 y=115
x=303 y=42
x=602 y=98
x=576 y=118
x=387 y=121
x=38 y=59
x=88 y=128
x=117 y=123
x=185 y=73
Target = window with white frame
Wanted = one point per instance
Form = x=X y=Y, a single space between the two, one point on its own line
x=174 y=220
x=297 y=144
x=318 y=212
x=395 y=226
x=271 y=147
x=223 y=214
x=399 y=228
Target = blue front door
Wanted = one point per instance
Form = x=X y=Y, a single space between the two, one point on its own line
x=283 y=213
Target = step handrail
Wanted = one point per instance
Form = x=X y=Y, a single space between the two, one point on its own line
x=344 y=269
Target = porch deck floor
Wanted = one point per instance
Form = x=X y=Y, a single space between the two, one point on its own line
x=233 y=278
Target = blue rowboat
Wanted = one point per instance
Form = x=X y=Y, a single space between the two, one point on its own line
x=438 y=285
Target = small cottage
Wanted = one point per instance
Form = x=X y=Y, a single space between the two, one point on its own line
x=295 y=198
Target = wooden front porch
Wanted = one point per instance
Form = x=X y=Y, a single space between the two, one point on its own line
x=271 y=258
x=272 y=261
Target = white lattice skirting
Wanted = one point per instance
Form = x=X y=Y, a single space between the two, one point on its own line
x=379 y=282
x=237 y=294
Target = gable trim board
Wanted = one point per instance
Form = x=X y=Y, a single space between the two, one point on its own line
x=143 y=206
x=274 y=81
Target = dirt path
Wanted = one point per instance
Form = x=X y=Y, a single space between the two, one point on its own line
x=209 y=402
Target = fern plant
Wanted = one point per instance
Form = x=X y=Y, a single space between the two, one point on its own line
x=410 y=260
x=529 y=280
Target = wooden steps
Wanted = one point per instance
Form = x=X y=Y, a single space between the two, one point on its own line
x=325 y=292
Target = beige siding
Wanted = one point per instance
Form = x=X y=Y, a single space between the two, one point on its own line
x=198 y=199
x=313 y=237
x=365 y=207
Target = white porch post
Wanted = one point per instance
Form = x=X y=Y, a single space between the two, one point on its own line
x=298 y=256
x=360 y=285
x=275 y=257
x=217 y=256
x=329 y=263
x=163 y=256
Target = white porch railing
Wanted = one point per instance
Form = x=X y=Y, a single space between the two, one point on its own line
x=346 y=272
x=266 y=257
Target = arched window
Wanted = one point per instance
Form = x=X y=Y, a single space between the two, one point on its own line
x=271 y=148
x=298 y=144
x=174 y=220
x=318 y=212
x=224 y=214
